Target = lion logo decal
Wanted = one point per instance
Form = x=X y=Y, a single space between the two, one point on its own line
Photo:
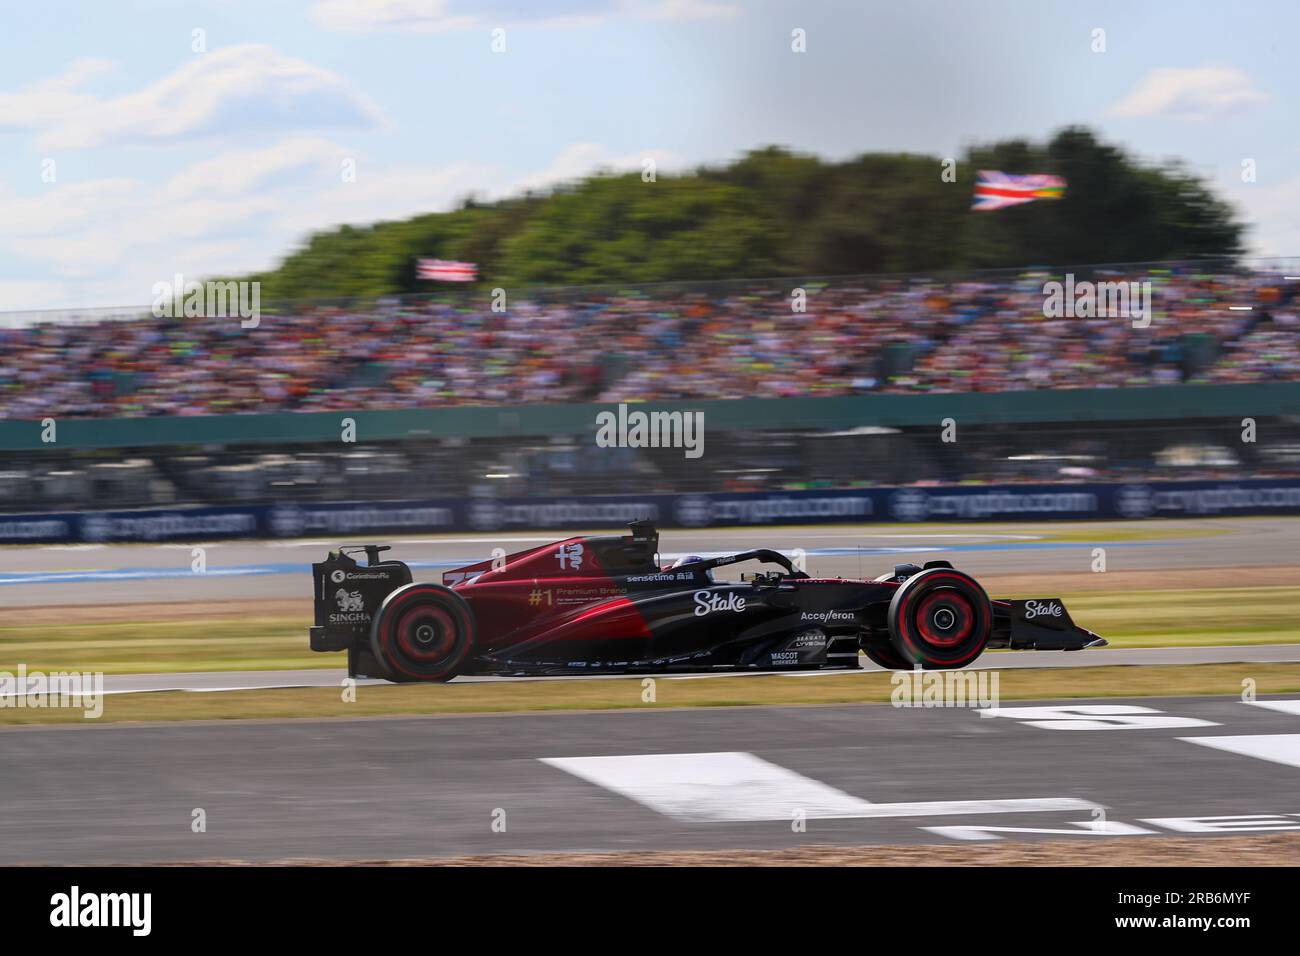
x=349 y=600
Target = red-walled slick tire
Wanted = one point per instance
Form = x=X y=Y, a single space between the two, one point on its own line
x=423 y=632
x=940 y=618
x=885 y=656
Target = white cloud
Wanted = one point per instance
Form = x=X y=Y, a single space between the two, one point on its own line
x=239 y=89
x=65 y=208
x=680 y=9
x=77 y=73
x=106 y=242
x=243 y=171
x=440 y=16
x=583 y=159
x=28 y=294
x=357 y=16
x=1196 y=93
x=382 y=194
x=1273 y=209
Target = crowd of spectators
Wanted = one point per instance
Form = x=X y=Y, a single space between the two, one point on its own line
x=748 y=340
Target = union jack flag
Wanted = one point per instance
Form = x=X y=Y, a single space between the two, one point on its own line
x=441 y=270
x=995 y=190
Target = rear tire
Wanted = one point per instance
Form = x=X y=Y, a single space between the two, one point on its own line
x=940 y=618
x=422 y=632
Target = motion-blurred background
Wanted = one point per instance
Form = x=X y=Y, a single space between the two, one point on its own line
x=828 y=304
x=437 y=242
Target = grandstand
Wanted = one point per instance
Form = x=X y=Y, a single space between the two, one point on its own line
x=981 y=332
x=882 y=360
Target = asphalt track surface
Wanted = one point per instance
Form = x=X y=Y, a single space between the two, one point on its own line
x=226 y=681
x=684 y=779
x=669 y=779
x=249 y=570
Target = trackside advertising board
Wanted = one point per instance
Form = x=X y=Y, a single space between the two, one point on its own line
x=1174 y=499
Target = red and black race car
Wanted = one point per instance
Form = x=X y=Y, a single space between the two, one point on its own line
x=594 y=604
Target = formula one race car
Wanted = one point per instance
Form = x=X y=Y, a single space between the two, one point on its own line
x=604 y=604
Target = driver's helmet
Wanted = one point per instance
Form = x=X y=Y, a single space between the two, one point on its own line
x=691 y=559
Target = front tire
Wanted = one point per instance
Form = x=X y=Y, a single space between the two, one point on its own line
x=423 y=632
x=940 y=618
x=884 y=655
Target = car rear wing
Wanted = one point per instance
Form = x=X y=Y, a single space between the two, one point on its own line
x=346 y=595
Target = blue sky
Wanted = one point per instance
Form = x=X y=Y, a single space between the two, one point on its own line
x=127 y=155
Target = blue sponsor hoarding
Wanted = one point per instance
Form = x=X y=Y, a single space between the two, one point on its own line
x=1047 y=502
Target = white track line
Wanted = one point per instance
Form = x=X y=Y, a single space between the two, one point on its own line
x=1276 y=748
x=1281 y=706
x=997 y=660
x=737 y=787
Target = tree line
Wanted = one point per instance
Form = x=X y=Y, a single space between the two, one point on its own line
x=775 y=212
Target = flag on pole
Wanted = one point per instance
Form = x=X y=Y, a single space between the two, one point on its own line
x=441 y=270
x=995 y=190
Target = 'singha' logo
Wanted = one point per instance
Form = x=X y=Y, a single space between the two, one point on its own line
x=349 y=600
